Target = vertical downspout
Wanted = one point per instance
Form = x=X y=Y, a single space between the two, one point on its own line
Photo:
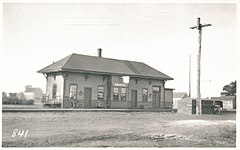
x=64 y=86
x=163 y=94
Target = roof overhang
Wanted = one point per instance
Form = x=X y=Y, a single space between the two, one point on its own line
x=105 y=73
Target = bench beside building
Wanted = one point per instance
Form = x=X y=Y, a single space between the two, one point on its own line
x=90 y=81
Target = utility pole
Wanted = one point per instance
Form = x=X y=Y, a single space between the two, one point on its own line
x=198 y=101
x=189 y=76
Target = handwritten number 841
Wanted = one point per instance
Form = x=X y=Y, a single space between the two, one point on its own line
x=20 y=133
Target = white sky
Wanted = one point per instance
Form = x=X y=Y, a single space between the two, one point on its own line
x=35 y=35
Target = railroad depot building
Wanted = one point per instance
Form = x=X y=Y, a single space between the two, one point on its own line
x=93 y=81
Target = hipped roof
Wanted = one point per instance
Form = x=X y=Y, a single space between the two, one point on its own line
x=100 y=65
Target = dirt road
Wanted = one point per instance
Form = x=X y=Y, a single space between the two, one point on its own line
x=118 y=129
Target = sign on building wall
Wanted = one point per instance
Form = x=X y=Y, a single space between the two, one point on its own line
x=121 y=84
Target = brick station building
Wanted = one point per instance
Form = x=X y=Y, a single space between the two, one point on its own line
x=93 y=81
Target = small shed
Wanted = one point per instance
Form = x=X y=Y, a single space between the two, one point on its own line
x=188 y=106
x=178 y=96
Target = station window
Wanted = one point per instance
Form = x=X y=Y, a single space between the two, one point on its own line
x=123 y=94
x=54 y=91
x=115 y=94
x=145 y=95
x=73 y=91
x=100 y=92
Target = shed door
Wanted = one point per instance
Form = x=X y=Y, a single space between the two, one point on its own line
x=133 y=98
x=87 y=97
x=156 y=97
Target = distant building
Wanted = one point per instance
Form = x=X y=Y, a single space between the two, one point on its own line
x=4 y=96
x=228 y=102
x=33 y=93
x=178 y=96
x=21 y=96
x=90 y=81
x=12 y=96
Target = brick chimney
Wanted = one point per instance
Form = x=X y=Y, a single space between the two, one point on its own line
x=99 y=52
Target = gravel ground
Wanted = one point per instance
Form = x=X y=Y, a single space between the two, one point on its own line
x=118 y=129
